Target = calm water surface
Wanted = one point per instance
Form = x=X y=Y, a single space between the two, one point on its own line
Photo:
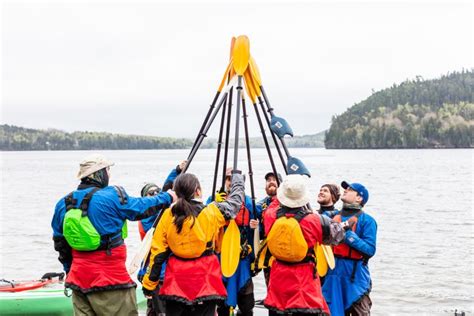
x=421 y=199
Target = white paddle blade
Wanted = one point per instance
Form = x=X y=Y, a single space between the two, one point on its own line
x=142 y=252
x=256 y=240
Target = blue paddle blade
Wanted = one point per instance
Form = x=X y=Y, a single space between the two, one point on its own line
x=296 y=166
x=280 y=127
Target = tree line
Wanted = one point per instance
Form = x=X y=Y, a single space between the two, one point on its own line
x=415 y=114
x=15 y=138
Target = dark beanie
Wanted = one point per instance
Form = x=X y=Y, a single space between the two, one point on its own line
x=147 y=187
x=335 y=193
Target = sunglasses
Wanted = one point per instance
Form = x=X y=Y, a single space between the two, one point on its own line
x=152 y=192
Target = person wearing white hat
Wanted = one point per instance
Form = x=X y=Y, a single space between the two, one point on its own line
x=292 y=233
x=89 y=228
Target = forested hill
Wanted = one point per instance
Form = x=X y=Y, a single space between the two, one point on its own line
x=20 y=138
x=417 y=113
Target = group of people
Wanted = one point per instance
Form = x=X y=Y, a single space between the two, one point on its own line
x=182 y=274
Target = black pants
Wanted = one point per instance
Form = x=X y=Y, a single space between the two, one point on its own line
x=245 y=302
x=177 y=309
x=155 y=306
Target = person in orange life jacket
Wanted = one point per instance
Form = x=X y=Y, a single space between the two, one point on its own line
x=347 y=287
x=294 y=287
x=240 y=291
x=271 y=186
x=98 y=278
x=156 y=306
x=185 y=236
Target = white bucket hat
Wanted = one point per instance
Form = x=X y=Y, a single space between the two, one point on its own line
x=293 y=191
x=91 y=164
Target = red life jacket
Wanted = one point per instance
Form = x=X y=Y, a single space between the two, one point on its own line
x=343 y=250
x=243 y=217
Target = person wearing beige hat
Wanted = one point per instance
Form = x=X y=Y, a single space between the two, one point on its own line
x=89 y=228
x=292 y=232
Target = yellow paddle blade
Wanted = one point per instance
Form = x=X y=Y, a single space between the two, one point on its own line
x=255 y=75
x=226 y=74
x=321 y=264
x=232 y=43
x=241 y=54
x=329 y=255
x=249 y=87
x=232 y=71
x=230 y=252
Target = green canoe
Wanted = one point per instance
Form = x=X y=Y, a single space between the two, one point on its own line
x=48 y=300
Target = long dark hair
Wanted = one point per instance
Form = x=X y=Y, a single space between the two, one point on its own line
x=185 y=186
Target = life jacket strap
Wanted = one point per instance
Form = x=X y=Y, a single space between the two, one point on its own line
x=110 y=241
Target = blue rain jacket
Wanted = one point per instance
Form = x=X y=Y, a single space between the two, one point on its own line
x=338 y=289
x=106 y=212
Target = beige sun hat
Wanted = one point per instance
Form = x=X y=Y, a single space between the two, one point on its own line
x=91 y=164
x=293 y=191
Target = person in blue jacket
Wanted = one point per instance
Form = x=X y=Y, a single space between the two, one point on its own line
x=347 y=287
x=97 y=276
x=240 y=290
x=156 y=306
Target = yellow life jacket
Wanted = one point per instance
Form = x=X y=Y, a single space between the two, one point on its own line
x=285 y=239
x=193 y=241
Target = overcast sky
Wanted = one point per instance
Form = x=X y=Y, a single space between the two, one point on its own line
x=153 y=68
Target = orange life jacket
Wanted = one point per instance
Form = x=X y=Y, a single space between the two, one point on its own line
x=343 y=250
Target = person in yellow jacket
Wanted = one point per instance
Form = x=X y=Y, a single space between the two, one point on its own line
x=185 y=237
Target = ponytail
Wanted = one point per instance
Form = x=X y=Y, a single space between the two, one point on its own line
x=185 y=186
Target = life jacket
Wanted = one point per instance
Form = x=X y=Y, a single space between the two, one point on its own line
x=285 y=239
x=78 y=230
x=191 y=242
x=243 y=216
x=343 y=250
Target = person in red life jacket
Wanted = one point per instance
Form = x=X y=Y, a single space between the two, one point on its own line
x=271 y=186
x=185 y=236
x=89 y=228
x=156 y=306
x=292 y=232
x=240 y=289
x=328 y=196
x=347 y=287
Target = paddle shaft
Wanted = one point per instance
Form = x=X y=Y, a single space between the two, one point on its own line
x=277 y=146
x=265 y=141
x=227 y=136
x=218 y=155
x=203 y=134
x=249 y=158
x=237 y=121
x=205 y=121
x=270 y=110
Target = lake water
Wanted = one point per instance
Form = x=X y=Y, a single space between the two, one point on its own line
x=421 y=199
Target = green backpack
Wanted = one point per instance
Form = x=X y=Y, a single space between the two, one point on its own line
x=77 y=228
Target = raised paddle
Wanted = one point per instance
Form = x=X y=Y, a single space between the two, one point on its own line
x=279 y=127
x=256 y=232
x=250 y=87
x=230 y=253
x=211 y=108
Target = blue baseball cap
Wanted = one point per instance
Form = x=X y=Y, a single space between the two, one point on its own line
x=359 y=188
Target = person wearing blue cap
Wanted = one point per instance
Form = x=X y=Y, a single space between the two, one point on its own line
x=347 y=287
